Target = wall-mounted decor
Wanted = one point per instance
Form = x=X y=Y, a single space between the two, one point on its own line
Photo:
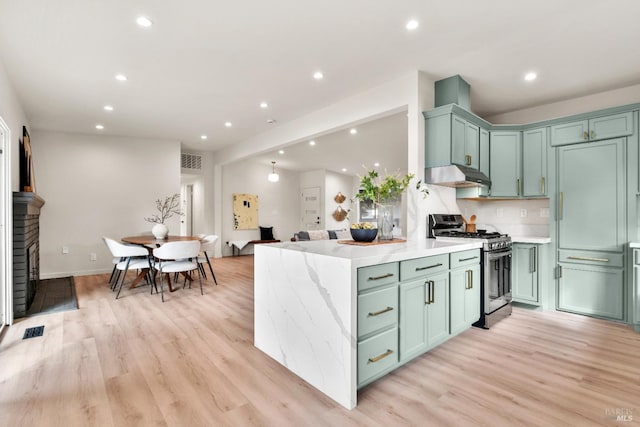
x=339 y=197
x=339 y=214
x=245 y=211
x=27 y=177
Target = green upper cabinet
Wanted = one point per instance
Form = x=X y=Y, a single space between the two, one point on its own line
x=598 y=128
x=534 y=162
x=452 y=139
x=484 y=152
x=504 y=151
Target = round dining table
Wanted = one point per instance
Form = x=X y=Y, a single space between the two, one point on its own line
x=150 y=241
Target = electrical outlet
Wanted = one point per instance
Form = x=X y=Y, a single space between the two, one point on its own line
x=523 y=213
x=544 y=212
x=499 y=212
x=93 y=256
x=65 y=250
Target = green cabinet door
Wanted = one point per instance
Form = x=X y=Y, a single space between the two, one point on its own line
x=484 y=151
x=504 y=148
x=458 y=140
x=472 y=146
x=613 y=126
x=413 y=319
x=636 y=292
x=534 y=162
x=465 y=298
x=592 y=290
x=525 y=273
x=591 y=196
x=570 y=133
x=437 y=307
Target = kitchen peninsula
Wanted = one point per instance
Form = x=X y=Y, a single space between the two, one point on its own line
x=316 y=306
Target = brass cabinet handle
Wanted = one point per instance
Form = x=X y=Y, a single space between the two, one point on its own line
x=467 y=259
x=560 y=203
x=384 y=276
x=432 y=299
x=593 y=134
x=469 y=279
x=428 y=267
x=586 y=258
x=585 y=135
x=380 y=357
x=378 y=313
x=467 y=159
x=532 y=259
x=518 y=186
x=429 y=284
x=542 y=182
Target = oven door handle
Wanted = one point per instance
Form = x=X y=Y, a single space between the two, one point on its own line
x=495 y=255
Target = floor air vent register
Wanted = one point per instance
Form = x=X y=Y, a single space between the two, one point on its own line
x=36 y=331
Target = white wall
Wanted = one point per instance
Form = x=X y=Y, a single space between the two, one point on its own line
x=585 y=104
x=97 y=186
x=278 y=202
x=334 y=183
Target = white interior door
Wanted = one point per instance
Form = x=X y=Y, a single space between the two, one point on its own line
x=186 y=222
x=311 y=209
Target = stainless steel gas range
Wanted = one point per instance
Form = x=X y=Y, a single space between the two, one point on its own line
x=495 y=284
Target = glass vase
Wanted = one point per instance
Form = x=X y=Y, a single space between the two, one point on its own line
x=385 y=222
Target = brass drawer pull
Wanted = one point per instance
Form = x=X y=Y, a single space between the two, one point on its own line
x=380 y=357
x=469 y=274
x=378 y=313
x=585 y=258
x=467 y=259
x=543 y=186
x=467 y=159
x=384 y=276
x=428 y=267
x=560 y=205
x=585 y=135
x=593 y=135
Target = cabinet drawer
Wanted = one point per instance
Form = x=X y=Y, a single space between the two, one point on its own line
x=612 y=126
x=421 y=267
x=377 y=310
x=377 y=275
x=377 y=354
x=603 y=259
x=570 y=133
x=460 y=259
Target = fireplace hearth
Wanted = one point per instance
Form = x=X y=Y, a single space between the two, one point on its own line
x=26 y=249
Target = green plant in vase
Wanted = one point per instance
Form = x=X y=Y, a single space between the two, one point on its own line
x=383 y=192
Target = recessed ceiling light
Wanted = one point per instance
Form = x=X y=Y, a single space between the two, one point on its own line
x=108 y=108
x=318 y=75
x=228 y=124
x=353 y=131
x=272 y=121
x=376 y=164
x=264 y=105
x=312 y=143
x=531 y=76
x=99 y=127
x=203 y=137
x=344 y=169
x=412 y=25
x=121 y=77
x=280 y=151
x=143 y=21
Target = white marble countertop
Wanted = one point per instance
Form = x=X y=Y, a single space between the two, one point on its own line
x=530 y=239
x=375 y=254
x=634 y=245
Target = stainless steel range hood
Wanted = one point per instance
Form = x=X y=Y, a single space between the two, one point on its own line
x=456 y=176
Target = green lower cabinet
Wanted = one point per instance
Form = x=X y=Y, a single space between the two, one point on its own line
x=525 y=274
x=465 y=298
x=424 y=314
x=413 y=319
x=592 y=290
x=636 y=291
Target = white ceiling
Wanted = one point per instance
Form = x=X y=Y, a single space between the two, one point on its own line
x=205 y=62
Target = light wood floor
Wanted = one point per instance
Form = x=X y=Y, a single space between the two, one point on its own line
x=191 y=362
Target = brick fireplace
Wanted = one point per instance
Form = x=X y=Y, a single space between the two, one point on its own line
x=26 y=249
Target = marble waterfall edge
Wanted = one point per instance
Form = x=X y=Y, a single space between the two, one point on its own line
x=304 y=314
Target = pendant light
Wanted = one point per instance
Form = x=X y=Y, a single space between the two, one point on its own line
x=273 y=176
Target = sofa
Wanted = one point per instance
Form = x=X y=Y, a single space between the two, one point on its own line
x=302 y=235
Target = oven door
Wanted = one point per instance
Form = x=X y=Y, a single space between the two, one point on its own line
x=497 y=280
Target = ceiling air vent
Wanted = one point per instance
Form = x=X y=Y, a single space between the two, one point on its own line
x=191 y=162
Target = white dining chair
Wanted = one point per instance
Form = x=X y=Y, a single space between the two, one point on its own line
x=131 y=257
x=177 y=257
x=207 y=247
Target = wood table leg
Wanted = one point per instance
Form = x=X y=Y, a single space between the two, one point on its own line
x=139 y=278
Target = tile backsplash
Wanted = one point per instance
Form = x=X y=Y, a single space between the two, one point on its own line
x=518 y=217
